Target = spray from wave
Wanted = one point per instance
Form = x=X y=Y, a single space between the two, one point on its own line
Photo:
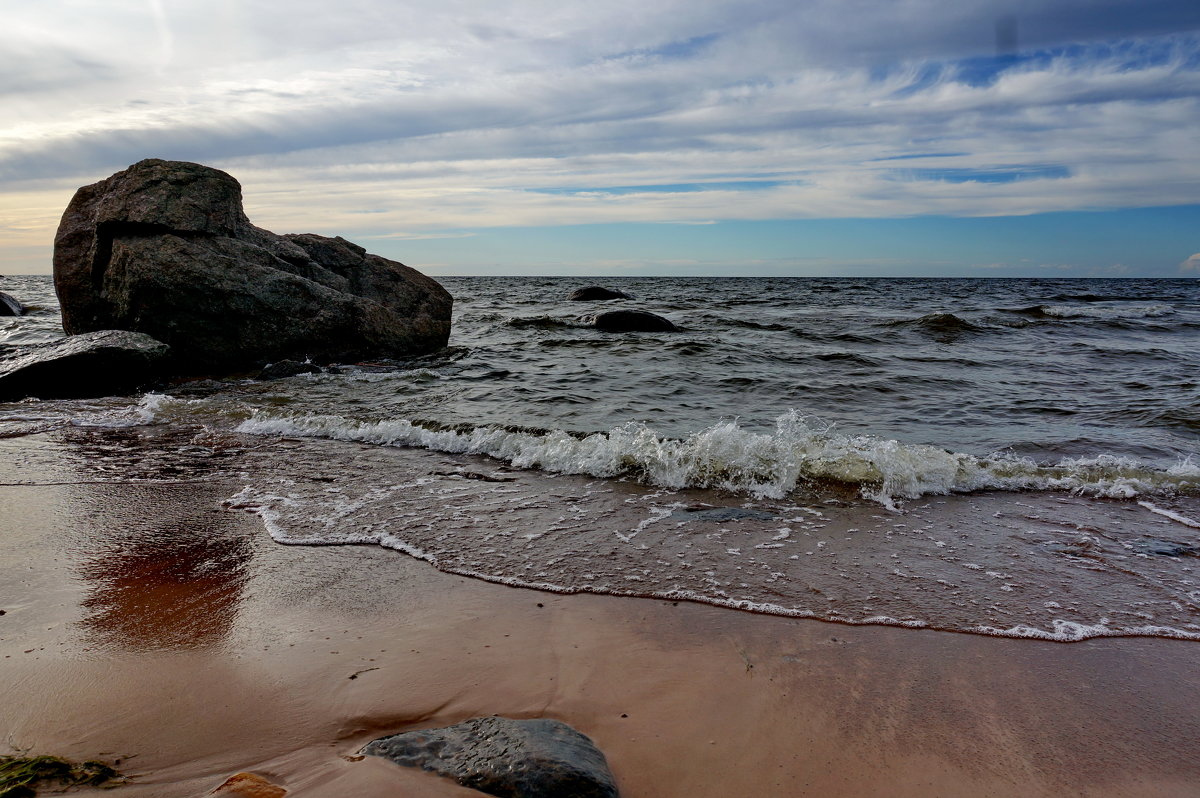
x=1101 y=312
x=801 y=453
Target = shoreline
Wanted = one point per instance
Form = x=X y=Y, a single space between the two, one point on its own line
x=144 y=621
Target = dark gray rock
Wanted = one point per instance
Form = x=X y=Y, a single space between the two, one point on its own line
x=102 y=363
x=593 y=292
x=287 y=368
x=10 y=306
x=164 y=248
x=537 y=758
x=631 y=321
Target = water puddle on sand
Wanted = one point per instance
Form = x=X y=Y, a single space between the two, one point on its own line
x=1045 y=565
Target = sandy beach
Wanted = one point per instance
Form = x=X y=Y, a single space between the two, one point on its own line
x=793 y=400
x=146 y=622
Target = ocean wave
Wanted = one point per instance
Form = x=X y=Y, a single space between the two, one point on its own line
x=1106 y=312
x=753 y=325
x=1101 y=298
x=937 y=323
x=1035 y=311
x=847 y=357
x=802 y=452
x=108 y=413
x=542 y=322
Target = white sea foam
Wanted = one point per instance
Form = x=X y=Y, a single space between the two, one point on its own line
x=1072 y=631
x=1108 y=311
x=148 y=410
x=1174 y=516
x=801 y=451
x=271 y=507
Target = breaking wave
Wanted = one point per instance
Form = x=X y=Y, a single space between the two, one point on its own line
x=801 y=453
x=1104 y=312
x=542 y=322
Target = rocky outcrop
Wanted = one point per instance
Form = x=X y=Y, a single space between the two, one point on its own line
x=594 y=292
x=164 y=248
x=631 y=321
x=93 y=364
x=537 y=758
x=10 y=306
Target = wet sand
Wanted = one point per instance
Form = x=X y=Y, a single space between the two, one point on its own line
x=146 y=621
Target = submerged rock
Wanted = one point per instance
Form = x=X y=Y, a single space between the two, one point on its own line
x=164 y=248
x=537 y=758
x=93 y=364
x=594 y=292
x=631 y=321
x=10 y=306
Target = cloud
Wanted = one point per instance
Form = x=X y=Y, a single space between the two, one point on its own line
x=1191 y=265
x=449 y=116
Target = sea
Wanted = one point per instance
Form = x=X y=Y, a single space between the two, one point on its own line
x=1013 y=457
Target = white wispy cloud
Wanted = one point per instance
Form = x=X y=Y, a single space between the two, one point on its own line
x=456 y=115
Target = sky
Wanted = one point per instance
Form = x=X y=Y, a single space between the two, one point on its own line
x=623 y=137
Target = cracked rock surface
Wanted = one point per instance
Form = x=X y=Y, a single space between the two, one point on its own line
x=164 y=248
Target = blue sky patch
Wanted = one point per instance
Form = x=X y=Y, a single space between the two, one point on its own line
x=1002 y=175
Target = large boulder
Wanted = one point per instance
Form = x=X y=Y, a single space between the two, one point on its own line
x=164 y=248
x=538 y=758
x=631 y=321
x=93 y=364
x=10 y=306
x=596 y=292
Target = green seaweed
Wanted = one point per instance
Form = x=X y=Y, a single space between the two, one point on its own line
x=20 y=775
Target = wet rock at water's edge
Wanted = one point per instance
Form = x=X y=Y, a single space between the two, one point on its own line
x=103 y=363
x=631 y=321
x=164 y=248
x=538 y=758
x=287 y=368
x=9 y=306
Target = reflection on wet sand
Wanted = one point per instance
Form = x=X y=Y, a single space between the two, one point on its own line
x=163 y=586
x=157 y=575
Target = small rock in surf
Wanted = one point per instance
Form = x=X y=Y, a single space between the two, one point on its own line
x=287 y=368
x=596 y=292
x=10 y=306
